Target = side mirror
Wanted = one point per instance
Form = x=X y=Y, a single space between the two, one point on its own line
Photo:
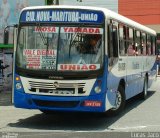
x=6 y=36
x=6 y=33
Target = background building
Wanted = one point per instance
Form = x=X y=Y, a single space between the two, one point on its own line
x=110 y=4
x=146 y=12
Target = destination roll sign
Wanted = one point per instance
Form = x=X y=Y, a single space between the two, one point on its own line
x=70 y=16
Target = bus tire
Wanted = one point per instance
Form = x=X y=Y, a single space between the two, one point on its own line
x=144 y=93
x=120 y=102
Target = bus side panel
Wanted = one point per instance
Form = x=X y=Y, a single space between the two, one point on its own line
x=132 y=70
x=151 y=64
x=135 y=80
x=113 y=79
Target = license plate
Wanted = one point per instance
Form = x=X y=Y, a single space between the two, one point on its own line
x=61 y=92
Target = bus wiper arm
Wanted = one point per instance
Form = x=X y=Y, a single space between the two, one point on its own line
x=73 y=39
x=44 y=40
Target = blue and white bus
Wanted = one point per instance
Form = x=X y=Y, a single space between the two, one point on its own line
x=54 y=70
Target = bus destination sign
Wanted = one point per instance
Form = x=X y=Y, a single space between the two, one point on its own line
x=60 y=16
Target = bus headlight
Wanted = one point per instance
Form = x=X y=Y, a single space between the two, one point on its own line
x=18 y=86
x=97 y=89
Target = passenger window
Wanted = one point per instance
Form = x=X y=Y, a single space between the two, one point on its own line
x=149 y=52
x=138 y=42
x=130 y=34
x=153 y=45
x=113 y=41
x=122 y=36
x=144 y=46
x=130 y=42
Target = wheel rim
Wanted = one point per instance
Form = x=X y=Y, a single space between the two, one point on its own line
x=118 y=101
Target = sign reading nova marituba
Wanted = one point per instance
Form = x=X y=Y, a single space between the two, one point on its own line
x=62 y=16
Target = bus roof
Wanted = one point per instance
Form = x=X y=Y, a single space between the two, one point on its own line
x=107 y=13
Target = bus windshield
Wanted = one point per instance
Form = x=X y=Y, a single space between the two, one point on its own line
x=60 y=48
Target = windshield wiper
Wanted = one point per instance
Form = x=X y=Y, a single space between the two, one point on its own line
x=73 y=38
x=44 y=39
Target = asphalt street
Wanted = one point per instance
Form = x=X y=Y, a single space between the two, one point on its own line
x=138 y=116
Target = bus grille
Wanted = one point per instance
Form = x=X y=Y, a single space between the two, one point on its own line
x=56 y=88
x=56 y=104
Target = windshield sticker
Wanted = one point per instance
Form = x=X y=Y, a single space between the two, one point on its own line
x=82 y=30
x=46 y=29
x=78 y=67
x=40 y=58
x=48 y=62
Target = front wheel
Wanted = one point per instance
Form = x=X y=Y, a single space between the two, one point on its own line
x=119 y=102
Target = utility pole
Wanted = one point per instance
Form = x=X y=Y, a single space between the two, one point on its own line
x=52 y=2
x=56 y=2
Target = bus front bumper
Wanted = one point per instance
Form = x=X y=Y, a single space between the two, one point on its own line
x=92 y=103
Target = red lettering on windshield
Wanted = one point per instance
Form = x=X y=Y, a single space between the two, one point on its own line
x=45 y=29
x=79 y=67
x=82 y=30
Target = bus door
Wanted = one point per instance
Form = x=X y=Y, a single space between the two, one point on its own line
x=112 y=63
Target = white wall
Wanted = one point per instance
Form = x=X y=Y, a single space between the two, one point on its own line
x=110 y=4
x=155 y=27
